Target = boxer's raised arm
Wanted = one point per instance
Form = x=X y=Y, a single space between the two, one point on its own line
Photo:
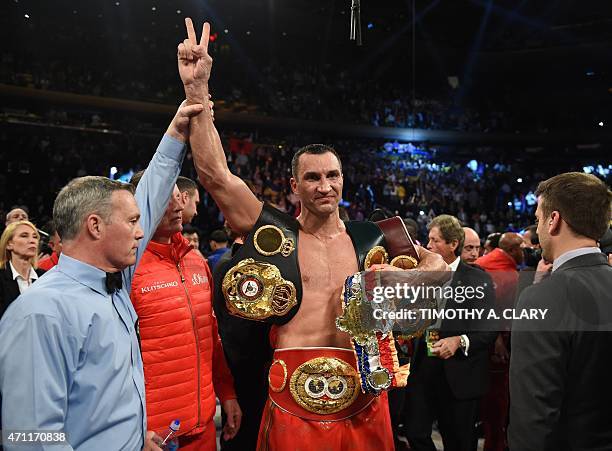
x=237 y=202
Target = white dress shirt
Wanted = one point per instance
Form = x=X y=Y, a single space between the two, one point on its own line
x=23 y=284
x=453 y=266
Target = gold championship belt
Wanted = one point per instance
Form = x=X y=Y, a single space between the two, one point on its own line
x=256 y=290
x=262 y=282
x=324 y=385
x=319 y=384
x=372 y=338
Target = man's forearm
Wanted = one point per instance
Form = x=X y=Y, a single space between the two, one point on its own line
x=154 y=190
x=207 y=150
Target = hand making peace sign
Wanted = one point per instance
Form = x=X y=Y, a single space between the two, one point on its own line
x=194 y=63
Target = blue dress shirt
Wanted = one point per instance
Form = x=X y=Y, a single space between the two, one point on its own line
x=69 y=352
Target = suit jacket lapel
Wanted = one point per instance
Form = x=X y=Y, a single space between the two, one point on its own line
x=11 y=287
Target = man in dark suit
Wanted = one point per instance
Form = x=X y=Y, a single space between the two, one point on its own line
x=447 y=384
x=560 y=391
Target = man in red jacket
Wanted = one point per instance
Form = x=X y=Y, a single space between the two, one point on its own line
x=49 y=261
x=184 y=364
x=501 y=263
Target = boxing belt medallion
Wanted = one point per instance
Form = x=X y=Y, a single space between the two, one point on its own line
x=316 y=383
x=263 y=282
x=373 y=341
x=374 y=345
x=256 y=290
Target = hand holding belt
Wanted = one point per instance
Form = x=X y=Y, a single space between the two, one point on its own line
x=374 y=344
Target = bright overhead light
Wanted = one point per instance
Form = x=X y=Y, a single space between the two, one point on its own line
x=601 y=124
x=27 y=16
x=519 y=180
x=153 y=8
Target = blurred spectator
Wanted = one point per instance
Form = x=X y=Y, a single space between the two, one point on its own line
x=16 y=214
x=218 y=242
x=530 y=237
x=471 y=246
x=190 y=196
x=501 y=263
x=18 y=261
x=55 y=244
x=192 y=235
x=492 y=242
x=605 y=244
x=413 y=229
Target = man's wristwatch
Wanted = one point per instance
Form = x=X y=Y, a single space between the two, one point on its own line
x=462 y=342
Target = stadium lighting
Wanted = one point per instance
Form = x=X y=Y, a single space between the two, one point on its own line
x=519 y=180
x=601 y=124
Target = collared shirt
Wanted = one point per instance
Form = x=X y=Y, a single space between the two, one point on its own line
x=455 y=264
x=22 y=283
x=567 y=256
x=442 y=304
x=69 y=354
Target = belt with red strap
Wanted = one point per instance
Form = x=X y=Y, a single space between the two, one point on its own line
x=320 y=384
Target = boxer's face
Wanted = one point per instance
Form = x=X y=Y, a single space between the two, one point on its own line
x=319 y=183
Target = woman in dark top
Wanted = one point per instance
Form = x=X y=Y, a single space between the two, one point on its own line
x=18 y=258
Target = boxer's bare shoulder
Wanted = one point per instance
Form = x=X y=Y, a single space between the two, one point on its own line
x=324 y=264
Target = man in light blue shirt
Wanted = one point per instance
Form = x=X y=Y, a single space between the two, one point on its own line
x=69 y=351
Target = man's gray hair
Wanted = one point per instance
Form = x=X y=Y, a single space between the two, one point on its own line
x=81 y=197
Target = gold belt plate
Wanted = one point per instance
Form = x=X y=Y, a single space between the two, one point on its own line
x=324 y=385
x=257 y=290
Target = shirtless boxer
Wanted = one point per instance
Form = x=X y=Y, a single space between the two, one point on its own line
x=326 y=256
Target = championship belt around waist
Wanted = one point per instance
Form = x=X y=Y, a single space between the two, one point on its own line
x=263 y=282
x=318 y=384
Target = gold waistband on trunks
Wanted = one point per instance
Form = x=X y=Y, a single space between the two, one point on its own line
x=319 y=384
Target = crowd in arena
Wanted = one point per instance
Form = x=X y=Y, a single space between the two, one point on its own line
x=403 y=179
